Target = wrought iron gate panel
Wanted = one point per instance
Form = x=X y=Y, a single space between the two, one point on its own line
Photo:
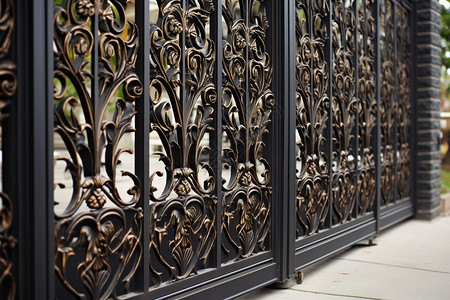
x=247 y=102
x=350 y=160
x=404 y=103
x=8 y=88
x=347 y=211
x=387 y=44
x=98 y=225
x=313 y=180
x=395 y=111
x=395 y=102
x=344 y=108
x=200 y=214
x=367 y=106
x=177 y=134
x=182 y=103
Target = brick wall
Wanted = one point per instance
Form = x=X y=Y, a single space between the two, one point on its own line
x=428 y=97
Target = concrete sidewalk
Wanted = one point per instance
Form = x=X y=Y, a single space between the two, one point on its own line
x=409 y=261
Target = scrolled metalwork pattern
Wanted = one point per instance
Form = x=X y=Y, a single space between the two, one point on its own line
x=367 y=105
x=182 y=101
x=388 y=105
x=404 y=104
x=344 y=107
x=97 y=231
x=247 y=102
x=312 y=116
x=8 y=88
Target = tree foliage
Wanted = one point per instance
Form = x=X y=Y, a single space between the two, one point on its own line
x=445 y=34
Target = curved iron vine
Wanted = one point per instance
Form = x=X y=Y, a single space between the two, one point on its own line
x=388 y=105
x=367 y=106
x=182 y=99
x=247 y=102
x=8 y=88
x=404 y=105
x=312 y=115
x=354 y=110
x=97 y=232
x=344 y=106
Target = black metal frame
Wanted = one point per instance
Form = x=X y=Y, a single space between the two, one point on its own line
x=398 y=212
x=327 y=243
x=29 y=165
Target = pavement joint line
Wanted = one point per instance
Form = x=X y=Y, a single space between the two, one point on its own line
x=398 y=266
x=337 y=295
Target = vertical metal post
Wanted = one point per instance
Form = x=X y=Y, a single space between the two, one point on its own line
x=282 y=141
x=36 y=150
x=290 y=186
x=24 y=235
x=413 y=99
x=395 y=146
x=95 y=91
x=49 y=106
x=356 y=130
x=378 y=126
x=216 y=157
x=330 y=112
x=142 y=135
x=182 y=89
x=247 y=113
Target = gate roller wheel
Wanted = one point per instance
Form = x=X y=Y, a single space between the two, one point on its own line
x=299 y=277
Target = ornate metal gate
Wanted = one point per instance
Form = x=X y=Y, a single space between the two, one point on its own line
x=353 y=126
x=197 y=148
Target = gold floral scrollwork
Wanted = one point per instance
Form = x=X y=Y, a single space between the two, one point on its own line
x=387 y=102
x=182 y=100
x=312 y=117
x=367 y=106
x=8 y=88
x=97 y=231
x=104 y=236
x=247 y=102
x=344 y=107
x=186 y=227
x=404 y=105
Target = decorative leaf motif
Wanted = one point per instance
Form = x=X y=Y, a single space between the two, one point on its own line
x=312 y=117
x=344 y=107
x=388 y=106
x=101 y=236
x=107 y=238
x=247 y=102
x=87 y=141
x=186 y=225
x=182 y=99
x=404 y=105
x=367 y=106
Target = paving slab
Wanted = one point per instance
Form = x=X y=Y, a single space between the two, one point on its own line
x=376 y=281
x=268 y=294
x=414 y=244
x=410 y=261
